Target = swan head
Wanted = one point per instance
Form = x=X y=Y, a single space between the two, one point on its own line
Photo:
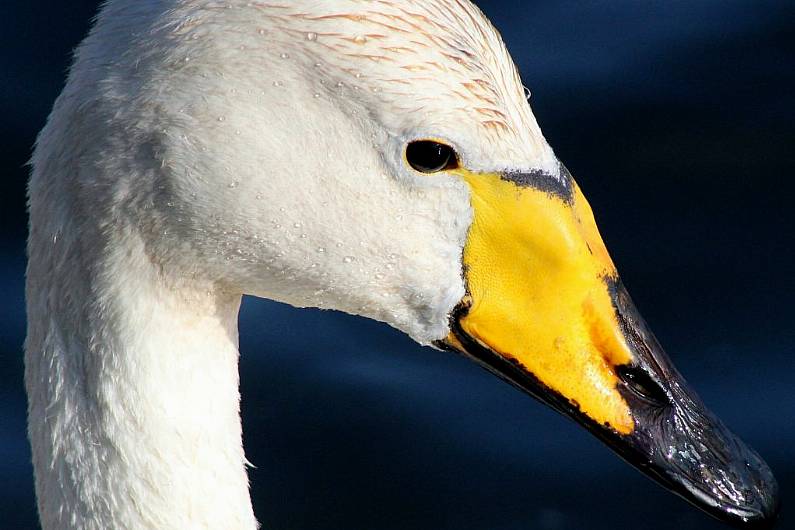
x=381 y=158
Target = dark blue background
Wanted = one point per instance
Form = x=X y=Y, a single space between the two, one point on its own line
x=678 y=120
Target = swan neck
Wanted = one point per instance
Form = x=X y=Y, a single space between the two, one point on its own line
x=132 y=380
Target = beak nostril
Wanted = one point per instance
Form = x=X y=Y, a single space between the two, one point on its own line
x=642 y=385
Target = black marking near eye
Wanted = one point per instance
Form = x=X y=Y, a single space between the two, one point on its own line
x=560 y=185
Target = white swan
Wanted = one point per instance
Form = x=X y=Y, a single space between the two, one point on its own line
x=377 y=158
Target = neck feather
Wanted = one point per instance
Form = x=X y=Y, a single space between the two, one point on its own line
x=133 y=390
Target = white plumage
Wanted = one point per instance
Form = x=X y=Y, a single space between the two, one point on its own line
x=203 y=150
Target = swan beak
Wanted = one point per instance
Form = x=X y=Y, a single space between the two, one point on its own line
x=546 y=311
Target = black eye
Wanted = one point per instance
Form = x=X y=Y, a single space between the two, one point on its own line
x=427 y=156
x=641 y=384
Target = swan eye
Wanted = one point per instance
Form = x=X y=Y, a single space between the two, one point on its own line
x=641 y=384
x=427 y=156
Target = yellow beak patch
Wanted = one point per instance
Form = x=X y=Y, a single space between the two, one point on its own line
x=537 y=275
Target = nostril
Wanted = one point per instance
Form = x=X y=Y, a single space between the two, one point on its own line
x=641 y=384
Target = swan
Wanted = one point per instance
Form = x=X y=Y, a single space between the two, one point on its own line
x=378 y=158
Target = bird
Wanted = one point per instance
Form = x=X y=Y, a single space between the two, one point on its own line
x=378 y=158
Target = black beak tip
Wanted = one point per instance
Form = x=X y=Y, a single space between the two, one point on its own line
x=769 y=503
x=765 y=519
x=759 y=505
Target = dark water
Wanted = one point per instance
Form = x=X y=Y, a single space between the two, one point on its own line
x=677 y=118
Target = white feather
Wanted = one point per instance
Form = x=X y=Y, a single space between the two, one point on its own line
x=203 y=150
